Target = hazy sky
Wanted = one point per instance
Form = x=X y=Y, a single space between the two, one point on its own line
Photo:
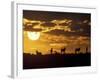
x=57 y=30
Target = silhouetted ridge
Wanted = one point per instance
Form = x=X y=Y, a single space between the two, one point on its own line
x=32 y=61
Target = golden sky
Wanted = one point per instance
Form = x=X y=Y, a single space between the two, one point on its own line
x=56 y=33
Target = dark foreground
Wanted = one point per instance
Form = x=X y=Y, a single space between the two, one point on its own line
x=55 y=60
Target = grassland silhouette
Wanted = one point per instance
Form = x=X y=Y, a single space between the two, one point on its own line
x=56 y=59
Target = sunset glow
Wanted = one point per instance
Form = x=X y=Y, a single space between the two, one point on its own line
x=56 y=39
x=33 y=35
x=65 y=30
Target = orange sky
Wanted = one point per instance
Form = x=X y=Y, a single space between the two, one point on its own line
x=48 y=41
x=57 y=30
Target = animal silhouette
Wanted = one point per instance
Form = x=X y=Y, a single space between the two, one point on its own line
x=55 y=52
x=86 y=49
x=51 y=51
x=77 y=50
x=63 y=50
x=38 y=53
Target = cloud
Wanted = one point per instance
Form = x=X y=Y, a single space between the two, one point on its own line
x=48 y=24
x=62 y=21
x=66 y=27
x=28 y=21
x=67 y=33
x=55 y=40
x=43 y=26
x=85 y=21
x=81 y=26
x=59 y=21
x=32 y=25
x=63 y=24
x=33 y=29
x=49 y=15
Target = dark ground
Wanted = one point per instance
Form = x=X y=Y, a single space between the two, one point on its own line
x=55 y=60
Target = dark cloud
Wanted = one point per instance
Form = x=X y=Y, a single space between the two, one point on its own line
x=64 y=24
x=32 y=29
x=81 y=27
x=66 y=33
x=77 y=22
x=48 y=24
x=34 y=24
x=29 y=24
x=49 y=15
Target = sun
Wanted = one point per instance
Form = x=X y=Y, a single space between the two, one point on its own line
x=33 y=35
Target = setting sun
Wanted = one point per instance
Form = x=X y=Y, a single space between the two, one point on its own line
x=56 y=39
x=33 y=35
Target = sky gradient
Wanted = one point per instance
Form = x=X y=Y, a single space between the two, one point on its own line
x=57 y=30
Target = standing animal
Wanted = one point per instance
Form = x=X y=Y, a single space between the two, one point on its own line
x=51 y=51
x=38 y=53
x=86 y=49
x=63 y=50
x=77 y=50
